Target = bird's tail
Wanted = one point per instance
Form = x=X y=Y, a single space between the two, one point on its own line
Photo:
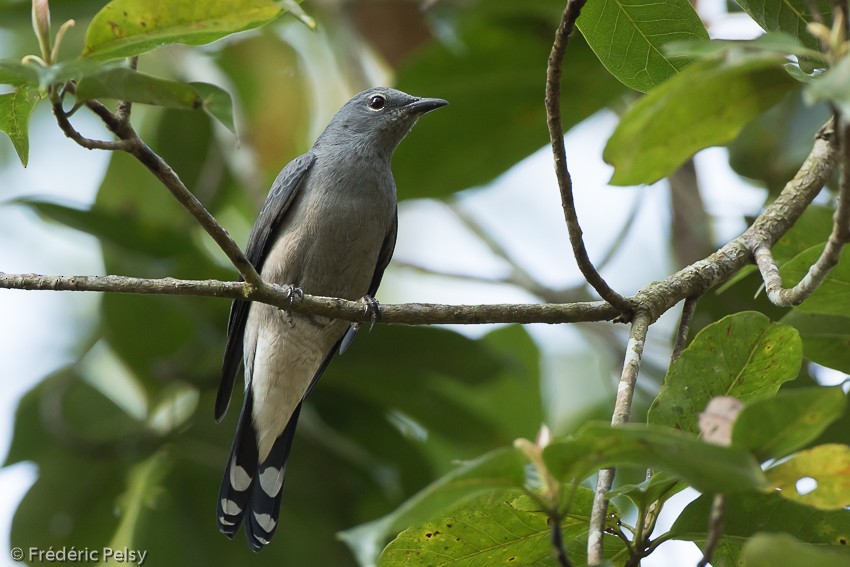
x=251 y=491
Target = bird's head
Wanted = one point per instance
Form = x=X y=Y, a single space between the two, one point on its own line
x=376 y=120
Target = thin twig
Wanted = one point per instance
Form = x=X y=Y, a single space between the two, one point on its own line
x=558 y=541
x=814 y=11
x=787 y=297
x=688 y=310
x=715 y=529
x=408 y=313
x=130 y=142
x=621 y=415
x=126 y=106
x=88 y=143
x=556 y=135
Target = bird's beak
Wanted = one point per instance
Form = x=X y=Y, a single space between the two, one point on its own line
x=423 y=105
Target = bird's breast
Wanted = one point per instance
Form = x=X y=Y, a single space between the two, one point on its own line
x=331 y=242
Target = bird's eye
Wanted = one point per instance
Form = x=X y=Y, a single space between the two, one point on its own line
x=377 y=102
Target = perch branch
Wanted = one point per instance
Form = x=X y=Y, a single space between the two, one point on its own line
x=556 y=136
x=409 y=313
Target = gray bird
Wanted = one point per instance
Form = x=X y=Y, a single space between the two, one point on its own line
x=328 y=227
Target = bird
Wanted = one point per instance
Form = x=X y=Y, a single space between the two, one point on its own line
x=328 y=227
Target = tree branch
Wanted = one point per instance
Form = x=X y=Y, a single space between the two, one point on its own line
x=715 y=529
x=130 y=142
x=556 y=136
x=769 y=226
x=840 y=235
x=621 y=415
x=688 y=310
x=279 y=296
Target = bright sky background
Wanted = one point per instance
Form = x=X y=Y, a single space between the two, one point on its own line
x=40 y=329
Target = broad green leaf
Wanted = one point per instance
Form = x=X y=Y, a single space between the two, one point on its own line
x=813 y=227
x=774 y=427
x=743 y=355
x=789 y=16
x=706 y=467
x=770 y=550
x=749 y=513
x=124 y=28
x=628 y=36
x=492 y=76
x=503 y=528
x=123 y=83
x=705 y=105
x=771 y=148
x=827 y=465
x=500 y=469
x=833 y=296
x=15 y=110
x=826 y=338
x=16 y=73
x=660 y=486
x=832 y=87
x=217 y=103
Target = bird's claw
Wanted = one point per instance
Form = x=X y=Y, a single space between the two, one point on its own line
x=373 y=310
x=293 y=294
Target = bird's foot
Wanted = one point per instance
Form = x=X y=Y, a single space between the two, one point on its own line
x=373 y=309
x=293 y=294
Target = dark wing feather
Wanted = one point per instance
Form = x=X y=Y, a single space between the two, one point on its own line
x=277 y=204
x=384 y=257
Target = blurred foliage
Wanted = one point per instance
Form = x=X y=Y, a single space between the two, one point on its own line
x=124 y=440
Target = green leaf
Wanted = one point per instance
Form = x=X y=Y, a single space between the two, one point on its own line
x=813 y=227
x=705 y=105
x=832 y=87
x=659 y=487
x=217 y=103
x=500 y=469
x=15 y=111
x=16 y=73
x=833 y=296
x=706 y=467
x=789 y=16
x=774 y=427
x=628 y=37
x=749 y=513
x=124 y=28
x=827 y=465
x=826 y=338
x=502 y=528
x=743 y=355
x=772 y=42
x=771 y=148
x=769 y=550
x=144 y=480
x=123 y=83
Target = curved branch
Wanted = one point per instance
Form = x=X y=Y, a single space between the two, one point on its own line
x=556 y=136
x=769 y=226
x=840 y=235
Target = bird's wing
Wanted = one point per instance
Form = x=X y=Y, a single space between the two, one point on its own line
x=384 y=257
x=274 y=211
